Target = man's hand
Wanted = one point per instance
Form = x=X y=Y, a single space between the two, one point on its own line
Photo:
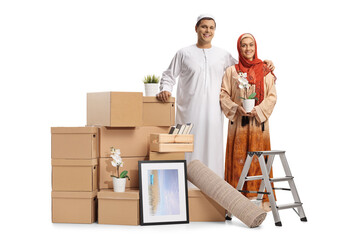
x=270 y=64
x=163 y=96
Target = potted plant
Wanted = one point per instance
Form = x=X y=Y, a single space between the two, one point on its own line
x=119 y=181
x=248 y=101
x=151 y=84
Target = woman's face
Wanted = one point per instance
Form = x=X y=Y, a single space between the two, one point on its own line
x=247 y=47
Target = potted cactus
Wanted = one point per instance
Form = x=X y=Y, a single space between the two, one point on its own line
x=151 y=84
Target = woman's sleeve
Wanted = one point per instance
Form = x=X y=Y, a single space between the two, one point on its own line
x=227 y=105
x=265 y=108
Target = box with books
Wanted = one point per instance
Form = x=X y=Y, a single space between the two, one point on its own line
x=171 y=142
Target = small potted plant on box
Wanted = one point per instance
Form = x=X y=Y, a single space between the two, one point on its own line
x=119 y=181
x=151 y=84
x=248 y=101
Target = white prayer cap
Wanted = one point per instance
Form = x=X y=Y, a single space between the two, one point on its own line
x=205 y=16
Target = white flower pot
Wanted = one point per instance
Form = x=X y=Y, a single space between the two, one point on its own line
x=151 y=89
x=119 y=184
x=248 y=104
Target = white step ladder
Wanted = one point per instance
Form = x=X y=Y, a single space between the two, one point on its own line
x=266 y=183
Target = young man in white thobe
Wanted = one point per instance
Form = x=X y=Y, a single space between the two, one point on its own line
x=200 y=68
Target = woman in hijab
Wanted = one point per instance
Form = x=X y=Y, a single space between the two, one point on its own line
x=247 y=131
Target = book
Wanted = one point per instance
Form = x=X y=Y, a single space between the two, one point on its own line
x=171 y=130
x=189 y=127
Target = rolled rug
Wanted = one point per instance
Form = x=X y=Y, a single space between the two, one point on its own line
x=224 y=194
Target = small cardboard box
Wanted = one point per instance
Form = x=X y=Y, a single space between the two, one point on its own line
x=106 y=170
x=74 y=175
x=115 y=109
x=204 y=209
x=172 y=142
x=74 y=142
x=166 y=156
x=158 y=113
x=74 y=207
x=118 y=208
x=132 y=142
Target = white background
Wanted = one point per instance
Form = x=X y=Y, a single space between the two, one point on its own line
x=53 y=52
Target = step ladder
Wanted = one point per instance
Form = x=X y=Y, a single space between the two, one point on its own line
x=266 y=183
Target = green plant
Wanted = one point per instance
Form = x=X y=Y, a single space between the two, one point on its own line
x=252 y=96
x=151 y=79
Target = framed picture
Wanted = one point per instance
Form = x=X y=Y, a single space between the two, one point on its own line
x=163 y=192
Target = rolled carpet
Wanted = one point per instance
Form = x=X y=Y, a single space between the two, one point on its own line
x=224 y=194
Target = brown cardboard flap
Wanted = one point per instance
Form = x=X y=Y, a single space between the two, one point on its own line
x=154 y=99
x=74 y=194
x=74 y=162
x=129 y=193
x=87 y=130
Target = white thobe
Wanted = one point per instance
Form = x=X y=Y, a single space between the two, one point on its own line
x=200 y=73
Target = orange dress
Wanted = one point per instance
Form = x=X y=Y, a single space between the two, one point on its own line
x=245 y=133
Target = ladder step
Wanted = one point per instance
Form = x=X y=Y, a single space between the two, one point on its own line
x=282 y=179
x=290 y=205
x=272 y=152
x=252 y=178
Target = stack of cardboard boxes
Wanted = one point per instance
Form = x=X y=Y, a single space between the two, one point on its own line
x=81 y=163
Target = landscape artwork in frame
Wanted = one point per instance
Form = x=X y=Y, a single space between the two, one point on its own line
x=163 y=192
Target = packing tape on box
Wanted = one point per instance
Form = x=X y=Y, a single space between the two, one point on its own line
x=224 y=194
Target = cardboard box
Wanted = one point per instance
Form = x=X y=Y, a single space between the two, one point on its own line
x=204 y=209
x=74 y=142
x=167 y=156
x=106 y=170
x=119 y=208
x=158 y=113
x=115 y=109
x=171 y=142
x=74 y=207
x=132 y=142
x=74 y=175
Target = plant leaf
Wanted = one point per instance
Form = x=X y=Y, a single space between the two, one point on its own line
x=252 y=95
x=123 y=174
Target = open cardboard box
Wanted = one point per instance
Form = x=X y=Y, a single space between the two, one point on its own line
x=74 y=143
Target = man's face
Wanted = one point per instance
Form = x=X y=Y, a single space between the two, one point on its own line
x=205 y=31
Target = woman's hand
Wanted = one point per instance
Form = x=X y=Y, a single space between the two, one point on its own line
x=253 y=113
x=242 y=112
